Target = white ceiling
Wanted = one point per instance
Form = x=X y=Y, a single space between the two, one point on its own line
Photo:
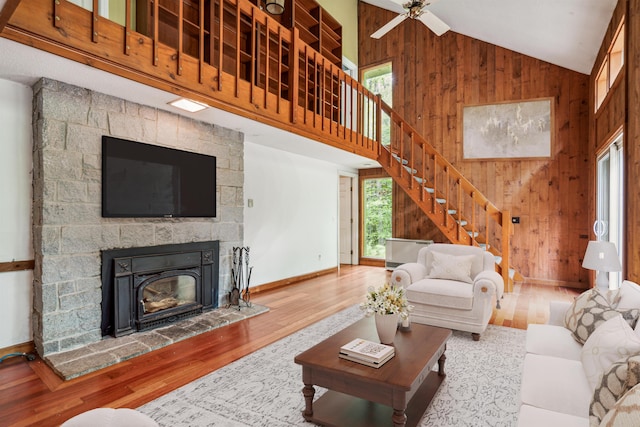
x=563 y=32
x=567 y=33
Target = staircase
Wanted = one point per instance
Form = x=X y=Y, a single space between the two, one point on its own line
x=461 y=212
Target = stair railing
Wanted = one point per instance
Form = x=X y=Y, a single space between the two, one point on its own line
x=452 y=202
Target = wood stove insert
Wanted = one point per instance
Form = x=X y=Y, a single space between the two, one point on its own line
x=144 y=288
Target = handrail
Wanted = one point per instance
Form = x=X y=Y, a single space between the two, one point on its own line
x=445 y=194
x=234 y=56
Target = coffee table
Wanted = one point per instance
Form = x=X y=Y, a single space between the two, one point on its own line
x=398 y=393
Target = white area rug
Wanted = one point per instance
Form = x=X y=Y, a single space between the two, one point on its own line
x=264 y=388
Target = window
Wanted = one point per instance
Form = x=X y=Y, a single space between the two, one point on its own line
x=610 y=200
x=377 y=205
x=611 y=67
x=379 y=80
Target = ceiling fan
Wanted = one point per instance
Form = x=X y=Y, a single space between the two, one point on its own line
x=415 y=9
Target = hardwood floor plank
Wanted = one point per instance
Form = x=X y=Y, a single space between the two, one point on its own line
x=31 y=394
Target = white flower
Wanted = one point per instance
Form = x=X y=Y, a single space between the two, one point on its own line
x=387 y=299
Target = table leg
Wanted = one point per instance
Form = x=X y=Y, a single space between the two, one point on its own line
x=308 y=391
x=441 y=361
x=399 y=418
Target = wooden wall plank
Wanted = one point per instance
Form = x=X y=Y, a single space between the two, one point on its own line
x=435 y=77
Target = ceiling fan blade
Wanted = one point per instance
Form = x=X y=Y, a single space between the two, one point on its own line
x=389 y=26
x=434 y=23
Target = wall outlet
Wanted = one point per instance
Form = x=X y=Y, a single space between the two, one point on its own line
x=250 y=203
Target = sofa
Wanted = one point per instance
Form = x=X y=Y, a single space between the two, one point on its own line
x=451 y=286
x=578 y=367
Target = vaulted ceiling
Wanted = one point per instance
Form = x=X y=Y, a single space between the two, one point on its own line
x=567 y=33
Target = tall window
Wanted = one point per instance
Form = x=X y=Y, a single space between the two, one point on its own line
x=376 y=216
x=611 y=66
x=610 y=201
x=379 y=80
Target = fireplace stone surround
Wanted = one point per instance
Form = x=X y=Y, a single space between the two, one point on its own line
x=69 y=233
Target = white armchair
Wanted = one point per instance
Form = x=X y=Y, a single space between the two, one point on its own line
x=452 y=286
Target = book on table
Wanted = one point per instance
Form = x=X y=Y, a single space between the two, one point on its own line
x=369 y=351
x=367 y=362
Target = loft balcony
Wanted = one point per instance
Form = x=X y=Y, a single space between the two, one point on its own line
x=232 y=56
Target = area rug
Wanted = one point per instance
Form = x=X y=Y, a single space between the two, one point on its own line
x=264 y=388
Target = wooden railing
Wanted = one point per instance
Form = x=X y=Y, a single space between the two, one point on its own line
x=231 y=55
x=452 y=202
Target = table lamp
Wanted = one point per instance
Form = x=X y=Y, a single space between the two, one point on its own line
x=603 y=257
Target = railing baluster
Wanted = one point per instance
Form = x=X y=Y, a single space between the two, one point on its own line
x=267 y=60
x=255 y=33
x=127 y=27
x=201 y=41
x=279 y=90
x=94 y=21
x=238 y=13
x=156 y=21
x=294 y=75
x=180 y=37
x=220 y=42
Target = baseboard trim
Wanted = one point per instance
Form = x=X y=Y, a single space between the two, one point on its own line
x=291 y=280
x=557 y=283
x=27 y=347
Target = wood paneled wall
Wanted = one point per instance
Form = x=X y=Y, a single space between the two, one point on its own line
x=435 y=77
x=621 y=109
x=632 y=141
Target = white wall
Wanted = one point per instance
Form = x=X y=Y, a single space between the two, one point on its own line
x=292 y=228
x=15 y=211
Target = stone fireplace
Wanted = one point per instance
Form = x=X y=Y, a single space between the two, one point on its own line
x=70 y=235
x=149 y=287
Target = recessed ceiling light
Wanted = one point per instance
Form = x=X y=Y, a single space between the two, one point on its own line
x=188 y=105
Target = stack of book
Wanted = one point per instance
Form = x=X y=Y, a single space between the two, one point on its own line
x=367 y=352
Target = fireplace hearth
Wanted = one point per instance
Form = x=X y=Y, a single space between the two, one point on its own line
x=148 y=287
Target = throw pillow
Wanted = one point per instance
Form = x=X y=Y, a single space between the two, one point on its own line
x=597 y=309
x=633 y=374
x=580 y=302
x=451 y=267
x=615 y=382
x=612 y=341
x=626 y=411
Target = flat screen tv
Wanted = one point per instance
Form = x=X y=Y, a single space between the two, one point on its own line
x=142 y=180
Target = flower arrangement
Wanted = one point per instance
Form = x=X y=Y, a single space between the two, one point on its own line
x=387 y=299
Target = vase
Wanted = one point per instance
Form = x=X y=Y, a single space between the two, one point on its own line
x=386 y=326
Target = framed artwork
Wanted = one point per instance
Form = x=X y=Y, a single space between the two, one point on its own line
x=509 y=130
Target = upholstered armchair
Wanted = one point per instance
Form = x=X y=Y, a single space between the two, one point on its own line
x=452 y=286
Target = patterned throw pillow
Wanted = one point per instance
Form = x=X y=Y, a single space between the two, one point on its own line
x=610 y=343
x=626 y=411
x=451 y=267
x=579 y=303
x=591 y=309
x=615 y=382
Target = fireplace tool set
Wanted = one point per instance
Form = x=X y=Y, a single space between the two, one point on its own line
x=241 y=276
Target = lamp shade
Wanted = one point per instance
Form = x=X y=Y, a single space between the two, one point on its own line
x=275 y=7
x=601 y=256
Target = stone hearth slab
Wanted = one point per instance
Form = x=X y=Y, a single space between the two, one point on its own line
x=74 y=363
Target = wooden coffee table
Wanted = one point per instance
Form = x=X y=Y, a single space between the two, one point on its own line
x=398 y=393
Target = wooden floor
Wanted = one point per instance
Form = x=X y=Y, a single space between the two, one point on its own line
x=32 y=395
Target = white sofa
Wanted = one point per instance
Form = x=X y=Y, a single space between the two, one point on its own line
x=451 y=286
x=556 y=388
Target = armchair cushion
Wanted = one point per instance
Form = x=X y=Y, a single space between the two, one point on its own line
x=443 y=293
x=451 y=267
